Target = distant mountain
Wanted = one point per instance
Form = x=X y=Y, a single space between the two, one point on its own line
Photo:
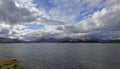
x=9 y=40
x=91 y=41
x=62 y=40
x=42 y=40
x=76 y=40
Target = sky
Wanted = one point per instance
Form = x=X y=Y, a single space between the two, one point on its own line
x=83 y=19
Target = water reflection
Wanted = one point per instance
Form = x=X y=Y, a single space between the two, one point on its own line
x=63 y=56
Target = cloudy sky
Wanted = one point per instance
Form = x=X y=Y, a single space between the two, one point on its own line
x=33 y=19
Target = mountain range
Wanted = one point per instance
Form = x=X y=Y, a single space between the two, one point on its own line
x=63 y=40
x=9 y=40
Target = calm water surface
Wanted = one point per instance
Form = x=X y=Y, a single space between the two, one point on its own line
x=63 y=55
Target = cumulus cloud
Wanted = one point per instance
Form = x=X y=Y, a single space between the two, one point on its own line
x=105 y=21
x=61 y=18
x=19 y=11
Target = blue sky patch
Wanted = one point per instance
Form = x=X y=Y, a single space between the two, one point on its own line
x=35 y=26
x=87 y=13
x=45 y=4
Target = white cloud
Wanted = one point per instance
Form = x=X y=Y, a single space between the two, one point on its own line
x=105 y=21
x=60 y=20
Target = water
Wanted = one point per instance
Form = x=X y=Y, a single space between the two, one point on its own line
x=63 y=55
